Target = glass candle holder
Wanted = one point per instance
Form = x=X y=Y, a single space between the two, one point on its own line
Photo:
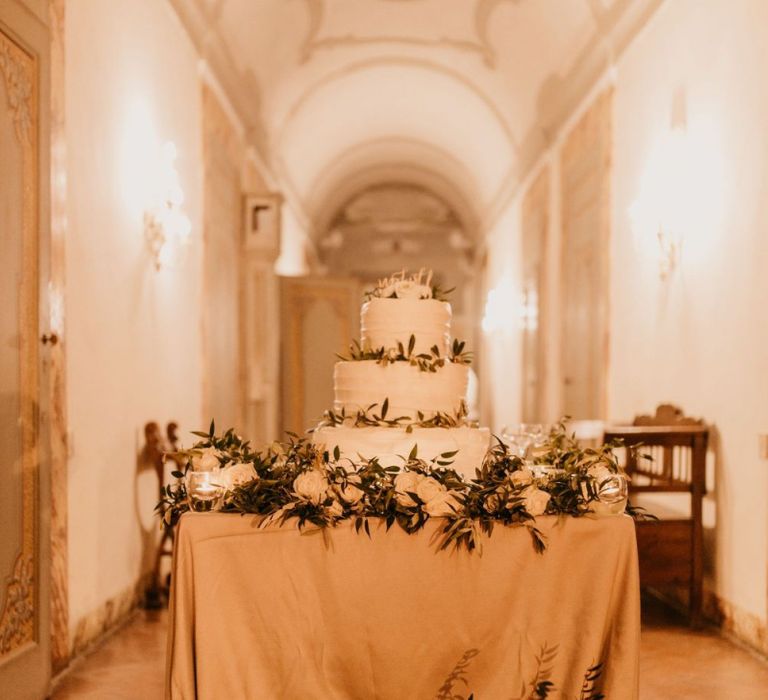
x=611 y=496
x=204 y=493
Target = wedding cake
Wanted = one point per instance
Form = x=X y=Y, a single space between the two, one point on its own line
x=404 y=385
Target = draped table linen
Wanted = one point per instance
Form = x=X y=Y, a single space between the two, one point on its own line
x=275 y=613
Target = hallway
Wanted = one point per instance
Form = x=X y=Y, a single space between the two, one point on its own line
x=393 y=231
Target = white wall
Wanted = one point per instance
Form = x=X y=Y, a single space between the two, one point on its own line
x=500 y=376
x=133 y=334
x=698 y=338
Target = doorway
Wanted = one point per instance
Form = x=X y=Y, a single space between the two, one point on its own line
x=585 y=170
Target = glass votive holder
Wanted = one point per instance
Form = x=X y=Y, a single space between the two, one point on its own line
x=612 y=495
x=204 y=493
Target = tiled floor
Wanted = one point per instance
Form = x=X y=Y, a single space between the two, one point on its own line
x=676 y=664
x=129 y=666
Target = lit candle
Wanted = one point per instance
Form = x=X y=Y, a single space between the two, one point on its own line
x=204 y=494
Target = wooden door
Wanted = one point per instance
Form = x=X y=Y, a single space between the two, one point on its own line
x=585 y=191
x=320 y=317
x=535 y=224
x=24 y=409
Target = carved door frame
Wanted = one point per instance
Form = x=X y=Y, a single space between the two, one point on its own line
x=25 y=628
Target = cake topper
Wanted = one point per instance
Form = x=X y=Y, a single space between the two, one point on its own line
x=402 y=285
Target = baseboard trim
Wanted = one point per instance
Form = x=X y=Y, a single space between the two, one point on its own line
x=100 y=624
x=743 y=628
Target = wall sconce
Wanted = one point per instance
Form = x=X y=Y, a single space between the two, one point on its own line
x=669 y=252
x=661 y=208
x=166 y=226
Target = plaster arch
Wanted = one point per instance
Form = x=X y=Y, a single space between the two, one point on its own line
x=403 y=61
x=393 y=100
x=393 y=159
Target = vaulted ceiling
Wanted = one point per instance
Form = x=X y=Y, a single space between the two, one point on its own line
x=456 y=96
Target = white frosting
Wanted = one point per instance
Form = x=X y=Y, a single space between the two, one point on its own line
x=391 y=445
x=359 y=384
x=384 y=322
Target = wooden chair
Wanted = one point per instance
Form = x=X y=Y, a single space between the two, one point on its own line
x=153 y=457
x=670 y=550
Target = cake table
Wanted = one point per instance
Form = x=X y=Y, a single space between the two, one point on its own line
x=332 y=614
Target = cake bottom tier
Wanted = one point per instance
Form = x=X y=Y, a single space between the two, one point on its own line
x=392 y=445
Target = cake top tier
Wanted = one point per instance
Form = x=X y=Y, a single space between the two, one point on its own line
x=386 y=322
x=405 y=306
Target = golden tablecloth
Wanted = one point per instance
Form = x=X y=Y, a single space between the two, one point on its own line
x=271 y=613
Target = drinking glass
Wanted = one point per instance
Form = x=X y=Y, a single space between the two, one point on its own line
x=517 y=441
x=535 y=431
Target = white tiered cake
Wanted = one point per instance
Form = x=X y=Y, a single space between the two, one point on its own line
x=405 y=386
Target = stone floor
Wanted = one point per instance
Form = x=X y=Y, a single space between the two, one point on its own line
x=676 y=664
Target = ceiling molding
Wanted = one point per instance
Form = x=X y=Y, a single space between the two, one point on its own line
x=478 y=45
x=398 y=141
x=401 y=172
x=210 y=79
x=353 y=41
x=374 y=205
x=483 y=11
x=241 y=88
x=562 y=96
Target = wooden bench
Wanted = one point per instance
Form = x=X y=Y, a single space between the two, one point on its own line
x=670 y=549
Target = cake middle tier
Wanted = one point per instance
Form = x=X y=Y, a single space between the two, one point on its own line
x=391 y=446
x=385 y=322
x=408 y=390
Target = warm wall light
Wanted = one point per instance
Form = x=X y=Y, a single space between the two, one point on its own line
x=166 y=226
x=660 y=209
x=500 y=308
x=680 y=196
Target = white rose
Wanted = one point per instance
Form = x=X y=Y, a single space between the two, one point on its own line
x=599 y=472
x=428 y=488
x=335 y=510
x=493 y=502
x=311 y=486
x=408 y=289
x=521 y=477
x=350 y=494
x=407 y=482
x=535 y=500
x=442 y=504
x=236 y=475
x=207 y=461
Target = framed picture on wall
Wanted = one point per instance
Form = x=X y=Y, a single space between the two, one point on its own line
x=262 y=222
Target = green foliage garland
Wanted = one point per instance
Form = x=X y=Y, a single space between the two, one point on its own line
x=294 y=480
